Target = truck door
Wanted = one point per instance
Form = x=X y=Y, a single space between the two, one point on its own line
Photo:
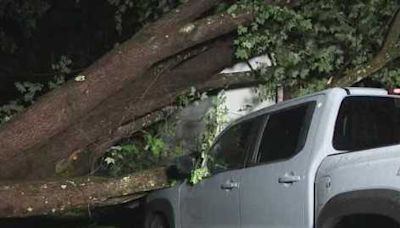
x=214 y=202
x=276 y=191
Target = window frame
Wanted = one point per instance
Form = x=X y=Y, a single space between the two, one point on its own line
x=311 y=113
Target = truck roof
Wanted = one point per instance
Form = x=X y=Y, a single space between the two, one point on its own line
x=336 y=91
x=366 y=91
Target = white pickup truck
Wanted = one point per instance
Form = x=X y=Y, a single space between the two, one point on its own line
x=327 y=160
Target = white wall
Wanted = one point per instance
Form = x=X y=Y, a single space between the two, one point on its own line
x=189 y=123
x=239 y=100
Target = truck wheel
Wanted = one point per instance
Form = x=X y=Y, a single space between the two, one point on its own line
x=367 y=221
x=156 y=220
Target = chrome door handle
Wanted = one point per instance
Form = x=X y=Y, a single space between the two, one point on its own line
x=289 y=179
x=229 y=185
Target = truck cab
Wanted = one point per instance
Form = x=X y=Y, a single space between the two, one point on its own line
x=330 y=160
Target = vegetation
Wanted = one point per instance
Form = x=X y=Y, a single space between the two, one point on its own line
x=109 y=73
x=215 y=120
x=315 y=41
x=146 y=150
x=308 y=42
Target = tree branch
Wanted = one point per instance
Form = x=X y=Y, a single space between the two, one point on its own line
x=389 y=52
x=20 y=199
x=109 y=75
x=215 y=83
x=100 y=146
x=97 y=148
x=231 y=81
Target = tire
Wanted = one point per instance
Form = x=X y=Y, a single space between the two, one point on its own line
x=367 y=221
x=156 y=220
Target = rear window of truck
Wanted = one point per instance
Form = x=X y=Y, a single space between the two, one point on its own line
x=366 y=122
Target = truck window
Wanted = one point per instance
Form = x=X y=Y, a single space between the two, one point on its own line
x=232 y=147
x=285 y=133
x=366 y=122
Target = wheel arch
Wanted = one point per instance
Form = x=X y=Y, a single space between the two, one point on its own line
x=383 y=202
x=162 y=206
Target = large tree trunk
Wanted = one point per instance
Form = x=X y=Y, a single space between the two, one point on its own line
x=140 y=76
x=143 y=96
x=58 y=109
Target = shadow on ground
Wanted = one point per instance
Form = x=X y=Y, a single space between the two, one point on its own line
x=110 y=217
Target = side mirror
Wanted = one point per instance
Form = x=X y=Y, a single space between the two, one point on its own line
x=183 y=166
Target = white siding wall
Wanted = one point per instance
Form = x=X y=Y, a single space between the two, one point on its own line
x=189 y=121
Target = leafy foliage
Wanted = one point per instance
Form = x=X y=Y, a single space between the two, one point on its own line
x=199 y=174
x=215 y=121
x=151 y=148
x=29 y=91
x=316 y=39
x=191 y=97
x=145 y=150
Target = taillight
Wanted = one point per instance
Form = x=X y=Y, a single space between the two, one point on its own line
x=395 y=91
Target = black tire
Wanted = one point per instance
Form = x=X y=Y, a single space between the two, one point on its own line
x=156 y=220
x=367 y=221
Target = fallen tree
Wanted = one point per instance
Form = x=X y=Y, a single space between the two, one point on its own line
x=77 y=195
x=126 y=74
x=124 y=91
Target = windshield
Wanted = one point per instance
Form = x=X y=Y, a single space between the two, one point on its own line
x=366 y=122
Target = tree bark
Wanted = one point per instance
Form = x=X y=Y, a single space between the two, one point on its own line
x=78 y=194
x=151 y=92
x=122 y=86
x=59 y=109
x=230 y=81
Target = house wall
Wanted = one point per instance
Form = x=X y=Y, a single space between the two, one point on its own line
x=239 y=102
